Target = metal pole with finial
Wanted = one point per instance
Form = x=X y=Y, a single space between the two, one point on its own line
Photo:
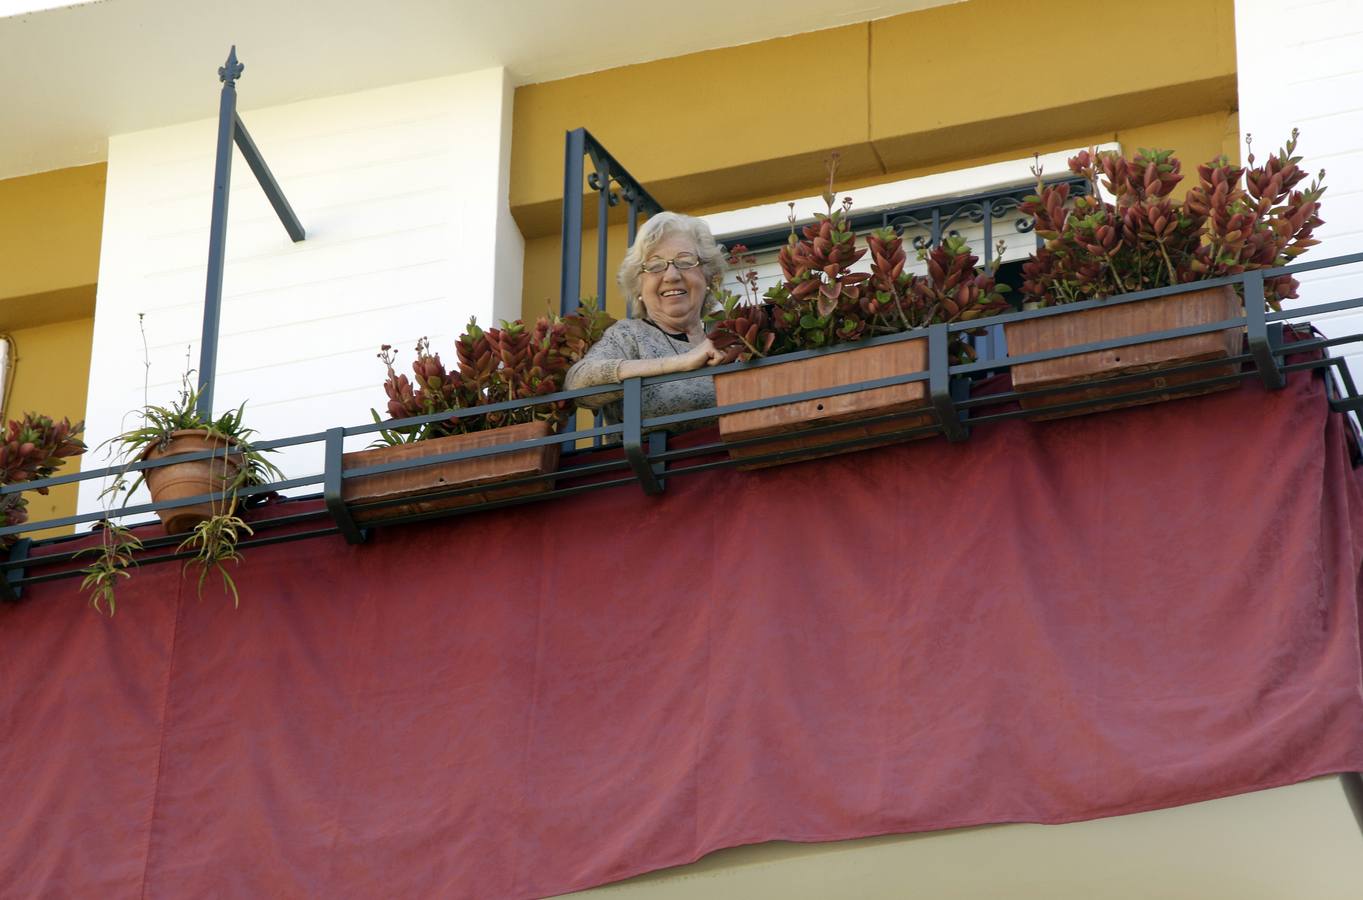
x=231 y=130
x=217 y=234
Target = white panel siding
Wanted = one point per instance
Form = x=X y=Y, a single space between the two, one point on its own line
x=403 y=192
x=1301 y=65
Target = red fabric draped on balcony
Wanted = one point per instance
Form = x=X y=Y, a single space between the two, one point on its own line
x=1050 y=622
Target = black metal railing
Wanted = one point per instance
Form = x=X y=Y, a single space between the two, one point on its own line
x=645 y=459
x=924 y=225
x=613 y=185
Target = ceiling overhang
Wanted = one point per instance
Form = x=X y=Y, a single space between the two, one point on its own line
x=77 y=73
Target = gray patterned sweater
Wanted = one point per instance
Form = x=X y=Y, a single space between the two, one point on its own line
x=637 y=339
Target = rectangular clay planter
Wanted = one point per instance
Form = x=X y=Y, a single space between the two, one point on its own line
x=832 y=370
x=417 y=482
x=1119 y=321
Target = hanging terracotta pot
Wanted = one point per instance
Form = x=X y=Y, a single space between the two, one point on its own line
x=177 y=481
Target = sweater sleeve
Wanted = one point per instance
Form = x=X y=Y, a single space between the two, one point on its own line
x=601 y=365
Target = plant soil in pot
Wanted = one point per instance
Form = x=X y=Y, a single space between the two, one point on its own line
x=177 y=481
x=418 y=483
x=1089 y=371
x=832 y=370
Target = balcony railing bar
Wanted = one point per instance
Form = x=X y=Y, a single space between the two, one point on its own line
x=665 y=456
x=993 y=399
x=48 y=560
x=990 y=418
x=472 y=411
x=1001 y=397
x=303 y=481
x=653 y=457
x=800 y=396
x=511 y=501
x=851 y=443
x=961 y=369
x=1109 y=344
x=1314 y=311
x=150 y=543
x=606 y=430
x=713 y=447
x=456 y=491
x=125 y=511
x=478 y=452
x=319 y=436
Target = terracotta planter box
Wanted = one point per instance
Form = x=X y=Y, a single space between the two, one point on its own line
x=1090 y=370
x=836 y=369
x=190 y=479
x=416 y=483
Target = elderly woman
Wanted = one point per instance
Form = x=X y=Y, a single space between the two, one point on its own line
x=666 y=277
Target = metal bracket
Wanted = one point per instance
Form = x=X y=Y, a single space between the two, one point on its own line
x=940 y=386
x=634 y=443
x=1261 y=343
x=331 y=490
x=10 y=588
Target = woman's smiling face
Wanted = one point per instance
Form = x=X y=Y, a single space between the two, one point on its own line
x=673 y=297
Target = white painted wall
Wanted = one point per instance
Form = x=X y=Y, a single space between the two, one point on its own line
x=404 y=194
x=1300 y=66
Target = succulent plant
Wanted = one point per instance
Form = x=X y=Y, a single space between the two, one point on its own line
x=822 y=302
x=1233 y=220
x=513 y=362
x=34 y=448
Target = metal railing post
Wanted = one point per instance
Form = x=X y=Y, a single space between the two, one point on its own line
x=1260 y=345
x=570 y=276
x=217 y=232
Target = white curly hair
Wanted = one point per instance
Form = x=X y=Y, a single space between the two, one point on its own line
x=653 y=232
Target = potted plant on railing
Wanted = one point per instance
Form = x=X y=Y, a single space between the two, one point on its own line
x=514 y=362
x=1233 y=220
x=822 y=302
x=34 y=448
x=212 y=528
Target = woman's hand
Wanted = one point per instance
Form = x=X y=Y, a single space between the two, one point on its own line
x=704 y=355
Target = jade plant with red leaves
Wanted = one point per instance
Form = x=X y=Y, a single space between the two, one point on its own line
x=822 y=302
x=34 y=448
x=513 y=362
x=1235 y=219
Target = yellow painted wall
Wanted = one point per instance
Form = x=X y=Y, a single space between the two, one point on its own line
x=50 y=227
x=898 y=98
x=50 y=230
x=51 y=376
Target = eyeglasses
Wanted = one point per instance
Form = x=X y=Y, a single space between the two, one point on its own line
x=683 y=261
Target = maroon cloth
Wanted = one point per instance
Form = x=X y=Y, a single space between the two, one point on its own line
x=1049 y=622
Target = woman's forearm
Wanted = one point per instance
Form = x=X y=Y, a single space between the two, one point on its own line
x=644 y=368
